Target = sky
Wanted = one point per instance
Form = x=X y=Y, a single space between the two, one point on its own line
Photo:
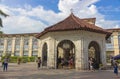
x=33 y=16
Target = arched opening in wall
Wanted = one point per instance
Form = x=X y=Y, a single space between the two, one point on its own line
x=94 y=54
x=44 y=54
x=66 y=54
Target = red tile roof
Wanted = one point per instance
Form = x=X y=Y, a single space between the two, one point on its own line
x=113 y=30
x=90 y=20
x=21 y=34
x=74 y=23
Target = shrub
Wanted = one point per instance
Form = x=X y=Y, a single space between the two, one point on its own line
x=23 y=59
x=118 y=61
x=28 y=59
x=31 y=59
x=13 y=59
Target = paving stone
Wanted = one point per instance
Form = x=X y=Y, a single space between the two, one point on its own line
x=30 y=71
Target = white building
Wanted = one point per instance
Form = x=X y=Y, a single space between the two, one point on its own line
x=76 y=38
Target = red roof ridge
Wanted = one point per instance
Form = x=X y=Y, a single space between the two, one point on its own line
x=73 y=22
x=86 y=24
x=74 y=18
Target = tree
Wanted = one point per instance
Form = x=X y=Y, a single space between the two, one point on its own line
x=2 y=14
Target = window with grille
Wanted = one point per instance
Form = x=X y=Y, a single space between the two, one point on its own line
x=17 y=43
x=2 y=43
x=9 y=44
x=26 y=43
x=35 y=43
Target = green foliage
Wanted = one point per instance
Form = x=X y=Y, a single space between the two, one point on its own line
x=8 y=55
x=27 y=59
x=31 y=59
x=1 y=32
x=2 y=14
x=108 y=56
x=13 y=59
x=100 y=65
x=23 y=59
x=118 y=61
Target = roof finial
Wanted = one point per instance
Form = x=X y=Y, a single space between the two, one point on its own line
x=71 y=10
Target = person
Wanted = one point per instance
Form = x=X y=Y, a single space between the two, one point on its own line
x=58 y=61
x=62 y=62
x=5 y=64
x=112 y=62
x=116 y=69
x=95 y=64
x=71 y=63
x=38 y=62
x=90 y=64
x=0 y=58
x=19 y=61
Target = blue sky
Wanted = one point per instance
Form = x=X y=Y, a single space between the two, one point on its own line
x=28 y=16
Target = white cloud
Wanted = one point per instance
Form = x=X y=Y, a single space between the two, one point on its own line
x=22 y=24
x=108 y=24
x=117 y=26
x=86 y=9
x=109 y=9
x=29 y=19
x=77 y=5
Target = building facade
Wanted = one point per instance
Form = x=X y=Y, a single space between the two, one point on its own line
x=113 y=42
x=19 y=44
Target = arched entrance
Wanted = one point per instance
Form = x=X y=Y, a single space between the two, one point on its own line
x=66 y=54
x=44 y=55
x=94 y=52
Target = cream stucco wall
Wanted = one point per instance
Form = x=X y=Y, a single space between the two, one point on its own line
x=80 y=39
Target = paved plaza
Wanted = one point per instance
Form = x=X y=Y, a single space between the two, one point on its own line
x=29 y=71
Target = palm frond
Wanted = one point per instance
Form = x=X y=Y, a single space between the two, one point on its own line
x=1 y=23
x=3 y=14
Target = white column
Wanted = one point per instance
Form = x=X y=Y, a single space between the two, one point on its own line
x=51 y=59
x=82 y=54
x=21 y=46
x=55 y=54
x=13 y=46
x=103 y=52
x=39 y=48
x=30 y=46
x=5 y=46
x=85 y=55
x=79 y=54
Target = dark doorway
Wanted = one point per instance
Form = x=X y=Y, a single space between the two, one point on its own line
x=44 y=55
x=94 y=52
x=66 y=54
